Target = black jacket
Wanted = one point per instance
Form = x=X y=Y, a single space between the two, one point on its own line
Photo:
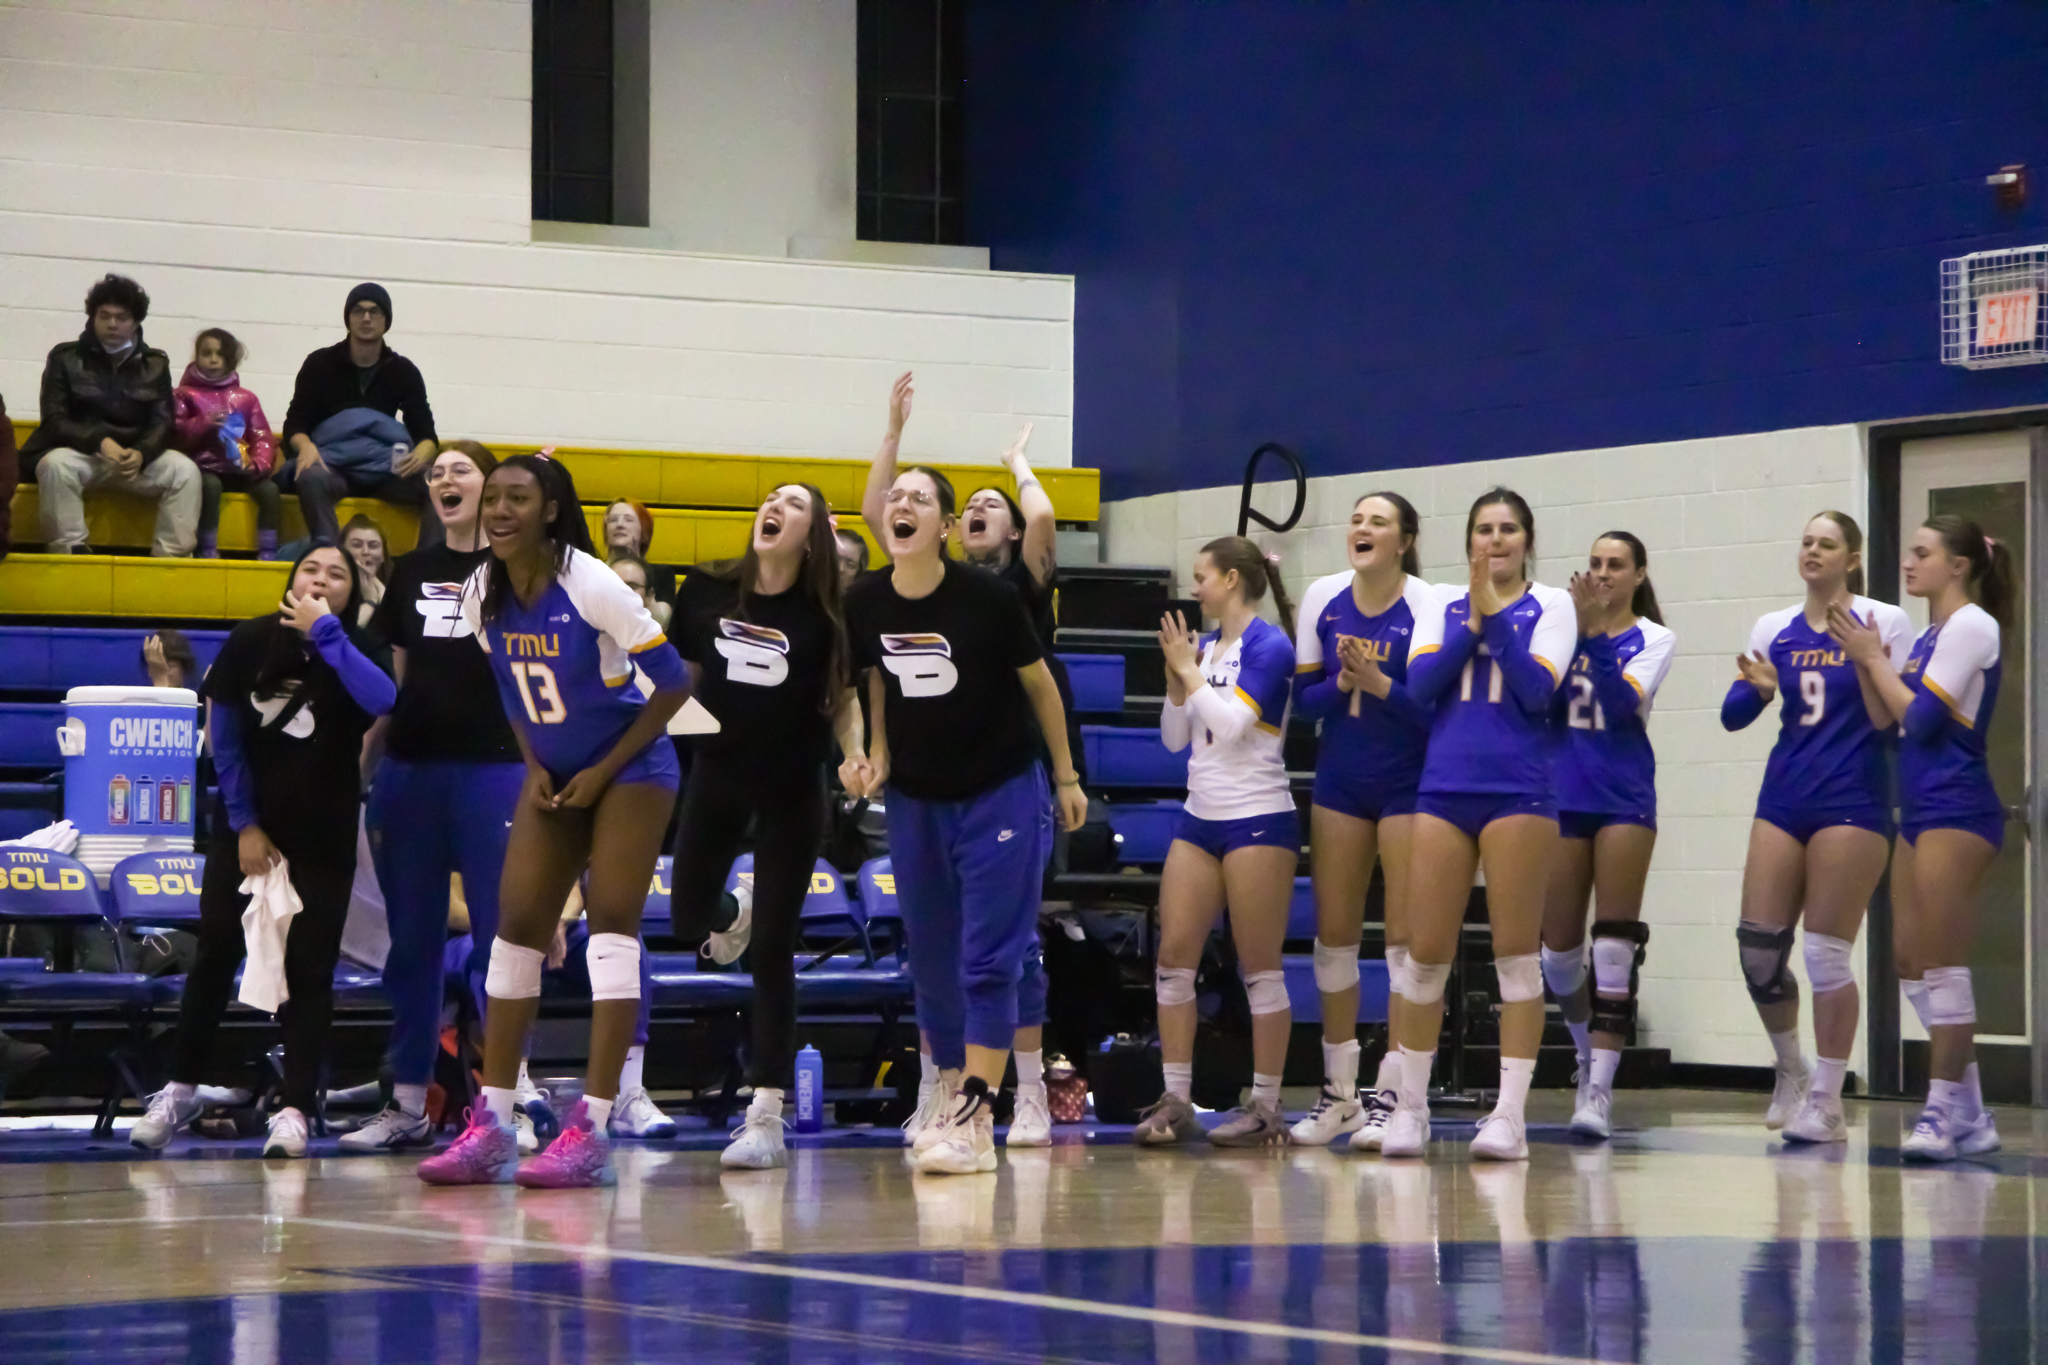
x=88 y=395
x=329 y=382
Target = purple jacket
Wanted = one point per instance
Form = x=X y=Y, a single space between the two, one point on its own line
x=199 y=401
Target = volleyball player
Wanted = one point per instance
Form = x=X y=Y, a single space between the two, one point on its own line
x=1489 y=662
x=1604 y=774
x=956 y=681
x=1238 y=840
x=1953 y=823
x=1823 y=820
x=564 y=634
x=1351 y=662
x=766 y=643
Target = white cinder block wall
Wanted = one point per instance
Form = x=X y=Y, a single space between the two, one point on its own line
x=249 y=160
x=1721 y=519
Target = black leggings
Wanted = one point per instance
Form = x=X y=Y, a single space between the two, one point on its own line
x=788 y=815
x=323 y=879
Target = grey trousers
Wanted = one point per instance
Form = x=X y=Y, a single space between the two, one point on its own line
x=171 y=481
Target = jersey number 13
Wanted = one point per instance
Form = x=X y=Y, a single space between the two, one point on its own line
x=537 y=689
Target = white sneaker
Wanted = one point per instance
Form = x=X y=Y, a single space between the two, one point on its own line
x=523 y=1134
x=166 y=1115
x=1379 y=1111
x=1592 y=1117
x=1502 y=1137
x=1820 y=1119
x=931 y=1107
x=1031 y=1120
x=287 y=1134
x=391 y=1130
x=758 y=1145
x=1978 y=1136
x=963 y=1146
x=724 y=946
x=634 y=1115
x=935 y=1127
x=1407 y=1133
x=1933 y=1138
x=1332 y=1118
x=1787 y=1096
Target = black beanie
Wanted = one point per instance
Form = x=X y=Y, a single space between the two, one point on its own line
x=368 y=293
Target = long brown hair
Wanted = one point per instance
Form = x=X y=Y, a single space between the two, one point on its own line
x=1411 y=528
x=819 y=580
x=1255 y=573
x=1644 y=603
x=1991 y=567
x=1852 y=540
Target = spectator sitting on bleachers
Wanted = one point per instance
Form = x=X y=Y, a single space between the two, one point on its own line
x=168 y=659
x=628 y=529
x=107 y=427
x=344 y=422
x=10 y=477
x=632 y=570
x=229 y=455
x=363 y=538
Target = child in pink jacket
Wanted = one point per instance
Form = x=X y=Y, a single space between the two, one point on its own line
x=221 y=426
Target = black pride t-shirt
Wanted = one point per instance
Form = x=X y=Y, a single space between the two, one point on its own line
x=448 y=708
x=958 y=720
x=761 y=673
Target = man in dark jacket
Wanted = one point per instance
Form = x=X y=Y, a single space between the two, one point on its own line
x=107 y=425
x=343 y=424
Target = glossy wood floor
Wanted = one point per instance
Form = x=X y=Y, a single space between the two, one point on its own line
x=1693 y=1236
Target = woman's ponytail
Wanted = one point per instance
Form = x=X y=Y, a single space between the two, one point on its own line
x=1256 y=572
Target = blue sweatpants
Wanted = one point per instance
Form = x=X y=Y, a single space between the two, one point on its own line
x=426 y=821
x=969 y=875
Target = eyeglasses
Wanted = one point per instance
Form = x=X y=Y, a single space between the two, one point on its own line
x=916 y=495
x=363 y=310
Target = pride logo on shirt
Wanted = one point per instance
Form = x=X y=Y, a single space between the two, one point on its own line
x=922 y=663
x=755 y=655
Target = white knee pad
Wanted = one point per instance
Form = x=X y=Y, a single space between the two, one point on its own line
x=1916 y=995
x=1267 y=992
x=514 y=973
x=1520 y=977
x=1564 y=972
x=1829 y=962
x=1336 y=968
x=1426 y=981
x=1614 y=963
x=614 y=967
x=1397 y=969
x=1950 y=999
x=1174 y=985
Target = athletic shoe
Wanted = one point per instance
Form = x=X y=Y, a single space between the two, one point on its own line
x=966 y=1145
x=533 y=1117
x=580 y=1158
x=1171 y=1119
x=934 y=1127
x=1332 y=1118
x=1933 y=1138
x=1592 y=1117
x=1251 y=1125
x=724 y=946
x=166 y=1115
x=634 y=1115
x=287 y=1134
x=1031 y=1120
x=1820 y=1119
x=757 y=1146
x=1787 y=1096
x=1379 y=1111
x=1978 y=1136
x=390 y=1131
x=486 y=1153
x=1502 y=1137
x=1407 y=1132
x=931 y=1109
x=524 y=1135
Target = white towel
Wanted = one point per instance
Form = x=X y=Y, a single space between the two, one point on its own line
x=366 y=937
x=265 y=926
x=61 y=837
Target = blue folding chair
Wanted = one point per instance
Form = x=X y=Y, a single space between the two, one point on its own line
x=657 y=917
x=877 y=882
x=828 y=915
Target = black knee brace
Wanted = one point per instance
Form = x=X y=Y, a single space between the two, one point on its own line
x=1765 y=955
x=1619 y=1016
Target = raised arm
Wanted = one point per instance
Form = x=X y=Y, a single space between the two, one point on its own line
x=882 y=472
x=1040 y=527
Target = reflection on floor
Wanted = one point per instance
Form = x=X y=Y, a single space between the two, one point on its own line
x=1694 y=1236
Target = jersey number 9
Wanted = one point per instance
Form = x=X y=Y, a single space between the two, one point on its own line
x=1585 y=712
x=1813 y=690
x=550 y=710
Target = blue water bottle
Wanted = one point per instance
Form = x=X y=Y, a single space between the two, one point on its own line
x=810 y=1091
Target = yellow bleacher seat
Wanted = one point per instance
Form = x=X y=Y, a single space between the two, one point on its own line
x=135 y=585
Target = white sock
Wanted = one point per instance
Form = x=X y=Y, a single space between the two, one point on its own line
x=410 y=1098
x=768 y=1102
x=182 y=1091
x=1340 y=1068
x=1030 y=1068
x=1515 y=1075
x=1949 y=1095
x=1605 y=1063
x=499 y=1103
x=1180 y=1079
x=1389 y=1077
x=600 y=1111
x=1582 y=1039
x=1414 y=1089
x=525 y=1082
x=1786 y=1045
x=927 y=1070
x=1973 y=1084
x=630 y=1073
x=1265 y=1090
x=1828 y=1075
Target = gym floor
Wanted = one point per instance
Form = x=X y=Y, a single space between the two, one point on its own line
x=1693 y=1236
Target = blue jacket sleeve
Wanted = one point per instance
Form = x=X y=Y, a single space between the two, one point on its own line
x=237 y=790
x=1316 y=695
x=1531 y=684
x=1429 y=674
x=368 y=685
x=1617 y=696
x=663 y=665
x=1742 y=705
x=1404 y=705
x=1927 y=718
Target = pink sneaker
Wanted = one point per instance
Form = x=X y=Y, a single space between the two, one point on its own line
x=579 y=1158
x=485 y=1154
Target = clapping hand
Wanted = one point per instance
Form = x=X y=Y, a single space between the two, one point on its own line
x=1586 y=601
x=1180 y=645
x=1858 y=639
x=1484 y=598
x=1759 y=673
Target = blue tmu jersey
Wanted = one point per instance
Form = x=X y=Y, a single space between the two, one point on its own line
x=1373 y=742
x=1601 y=761
x=1492 y=692
x=1954 y=672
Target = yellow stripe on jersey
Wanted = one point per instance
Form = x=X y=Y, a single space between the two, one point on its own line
x=650 y=644
x=1955 y=711
x=1246 y=698
x=1421 y=650
x=619 y=681
x=1308 y=668
x=1633 y=683
x=1269 y=729
x=1549 y=665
